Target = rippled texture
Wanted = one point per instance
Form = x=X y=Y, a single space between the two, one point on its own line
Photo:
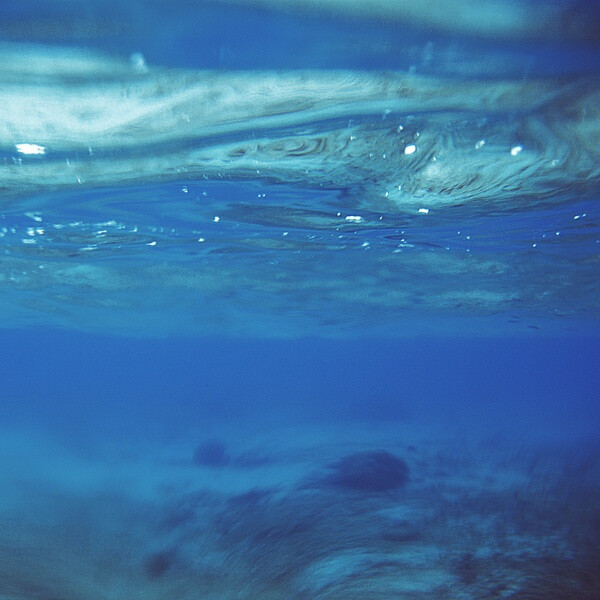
x=151 y=200
x=377 y=135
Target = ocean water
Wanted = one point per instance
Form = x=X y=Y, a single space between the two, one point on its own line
x=299 y=301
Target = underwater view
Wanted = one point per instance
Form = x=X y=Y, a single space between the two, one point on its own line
x=300 y=300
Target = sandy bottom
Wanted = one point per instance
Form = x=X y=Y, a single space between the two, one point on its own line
x=239 y=513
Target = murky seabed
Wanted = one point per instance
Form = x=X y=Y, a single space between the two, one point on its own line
x=271 y=516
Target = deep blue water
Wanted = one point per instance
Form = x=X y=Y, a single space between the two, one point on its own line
x=227 y=296
x=113 y=385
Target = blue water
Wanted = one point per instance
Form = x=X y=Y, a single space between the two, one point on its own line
x=299 y=304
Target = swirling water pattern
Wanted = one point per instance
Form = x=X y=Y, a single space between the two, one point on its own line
x=341 y=197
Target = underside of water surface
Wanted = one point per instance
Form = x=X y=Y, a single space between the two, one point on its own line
x=150 y=200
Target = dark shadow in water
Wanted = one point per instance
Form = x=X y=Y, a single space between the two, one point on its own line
x=471 y=522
